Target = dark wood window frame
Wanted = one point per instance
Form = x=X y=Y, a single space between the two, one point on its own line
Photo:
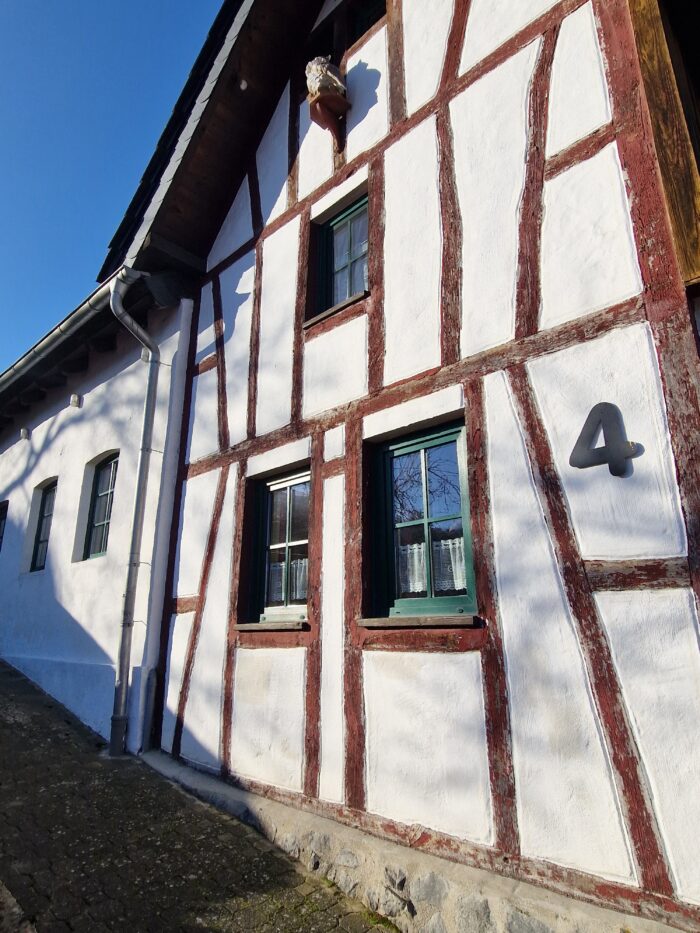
x=43 y=528
x=109 y=466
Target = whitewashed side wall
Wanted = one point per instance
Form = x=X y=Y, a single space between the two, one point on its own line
x=61 y=625
x=272 y=162
x=236 y=230
x=426 y=28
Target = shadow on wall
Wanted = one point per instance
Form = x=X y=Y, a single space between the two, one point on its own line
x=366 y=81
x=54 y=650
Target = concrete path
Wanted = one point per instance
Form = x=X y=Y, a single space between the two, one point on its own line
x=88 y=843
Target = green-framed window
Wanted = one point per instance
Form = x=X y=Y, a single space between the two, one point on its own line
x=101 y=502
x=3 y=520
x=285 y=509
x=43 y=528
x=425 y=525
x=343 y=254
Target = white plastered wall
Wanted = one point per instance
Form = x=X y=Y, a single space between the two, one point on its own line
x=578 y=96
x=277 y=303
x=195 y=520
x=493 y=22
x=427 y=759
x=654 y=640
x=203 y=435
x=638 y=515
x=237 y=297
x=180 y=631
x=273 y=162
x=332 y=755
x=589 y=257
x=412 y=254
x=202 y=721
x=206 y=338
x=568 y=809
x=236 y=230
x=267 y=736
x=368 y=89
x=426 y=27
x=61 y=625
x=315 y=158
x=490 y=125
x=326 y=383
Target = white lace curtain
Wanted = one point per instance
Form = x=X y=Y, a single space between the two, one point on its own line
x=298 y=582
x=448 y=567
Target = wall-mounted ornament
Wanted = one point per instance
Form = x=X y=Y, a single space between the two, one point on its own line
x=327 y=96
x=615 y=451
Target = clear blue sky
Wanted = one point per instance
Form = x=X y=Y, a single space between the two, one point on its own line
x=86 y=87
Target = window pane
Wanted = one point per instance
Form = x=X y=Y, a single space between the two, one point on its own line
x=447 y=549
x=278 y=516
x=341 y=287
x=298 y=573
x=360 y=280
x=40 y=561
x=104 y=477
x=407 y=488
x=100 y=513
x=358 y=235
x=275 y=577
x=49 y=498
x=300 y=512
x=443 y=481
x=97 y=540
x=341 y=246
x=411 y=579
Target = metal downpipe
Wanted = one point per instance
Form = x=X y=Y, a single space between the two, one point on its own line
x=151 y=355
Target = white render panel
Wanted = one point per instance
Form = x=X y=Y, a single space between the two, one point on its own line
x=426 y=27
x=638 y=515
x=201 y=731
x=578 y=96
x=237 y=292
x=412 y=254
x=206 y=338
x=198 y=499
x=236 y=230
x=335 y=367
x=589 y=258
x=493 y=22
x=288 y=455
x=490 y=125
x=180 y=629
x=203 y=435
x=268 y=716
x=315 y=159
x=272 y=161
x=368 y=90
x=332 y=759
x=568 y=810
x=415 y=413
x=277 y=303
x=654 y=641
x=334 y=443
x=427 y=760
x=341 y=196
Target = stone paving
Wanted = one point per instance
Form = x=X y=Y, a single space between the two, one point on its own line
x=88 y=843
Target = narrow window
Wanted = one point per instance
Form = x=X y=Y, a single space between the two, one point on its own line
x=101 y=507
x=343 y=254
x=3 y=520
x=426 y=527
x=41 y=542
x=286 y=558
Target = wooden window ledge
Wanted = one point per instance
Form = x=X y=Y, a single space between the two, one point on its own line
x=453 y=621
x=296 y=625
x=341 y=306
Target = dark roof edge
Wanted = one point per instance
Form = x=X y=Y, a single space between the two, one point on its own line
x=165 y=146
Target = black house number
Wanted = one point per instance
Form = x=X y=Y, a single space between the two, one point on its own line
x=616 y=450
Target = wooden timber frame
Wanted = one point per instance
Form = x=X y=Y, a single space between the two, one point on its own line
x=634 y=127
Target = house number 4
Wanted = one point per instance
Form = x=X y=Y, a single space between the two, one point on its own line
x=616 y=450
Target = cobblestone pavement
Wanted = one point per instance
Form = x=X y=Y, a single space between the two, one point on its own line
x=88 y=843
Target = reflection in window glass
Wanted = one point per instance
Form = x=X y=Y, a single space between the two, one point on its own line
x=349 y=247
x=287 y=561
x=101 y=507
x=41 y=542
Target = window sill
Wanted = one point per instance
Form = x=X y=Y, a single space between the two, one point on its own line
x=341 y=306
x=297 y=626
x=454 y=621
